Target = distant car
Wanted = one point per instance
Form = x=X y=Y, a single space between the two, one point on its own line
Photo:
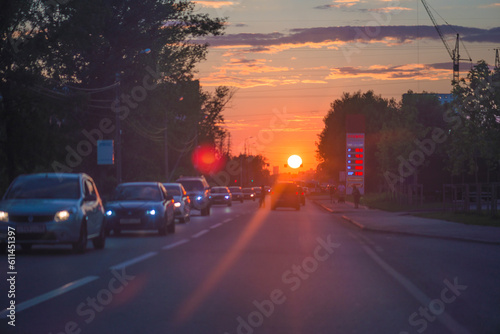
x=198 y=191
x=53 y=208
x=249 y=193
x=182 y=202
x=237 y=193
x=221 y=195
x=140 y=206
x=285 y=195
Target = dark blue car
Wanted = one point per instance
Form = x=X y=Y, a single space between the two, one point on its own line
x=140 y=206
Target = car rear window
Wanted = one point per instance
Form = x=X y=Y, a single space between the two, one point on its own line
x=44 y=188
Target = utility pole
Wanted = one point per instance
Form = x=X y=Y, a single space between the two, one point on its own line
x=118 y=133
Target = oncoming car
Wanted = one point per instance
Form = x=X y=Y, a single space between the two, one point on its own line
x=182 y=202
x=140 y=206
x=221 y=195
x=53 y=208
x=249 y=193
x=236 y=193
x=198 y=191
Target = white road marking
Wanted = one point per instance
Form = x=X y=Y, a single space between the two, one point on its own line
x=175 y=244
x=421 y=297
x=216 y=225
x=199 y=234
x=49 y=295
x=227 y=220
x=133 y=261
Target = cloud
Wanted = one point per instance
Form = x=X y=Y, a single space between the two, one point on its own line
x=335 y=37
x=492 y=5
x=214 y=4
x=437 y=71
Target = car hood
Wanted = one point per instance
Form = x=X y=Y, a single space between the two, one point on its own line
x=36 y=206
x=127 y=205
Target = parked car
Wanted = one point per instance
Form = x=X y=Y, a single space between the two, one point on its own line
x=249 y=193
x=221 y=195
x=285 y=195
x=182 y=202
x=198 y=191
x=54 y=208
x=237 y=193
x=140 y=206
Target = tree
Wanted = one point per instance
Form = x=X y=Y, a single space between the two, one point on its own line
x=332 y=140
x=73 y=54
x=475 y=143
x=406 y=149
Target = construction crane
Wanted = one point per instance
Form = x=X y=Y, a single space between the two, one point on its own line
x=497 y=59
x=454 y=53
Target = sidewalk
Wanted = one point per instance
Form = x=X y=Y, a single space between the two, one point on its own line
x=403 y=223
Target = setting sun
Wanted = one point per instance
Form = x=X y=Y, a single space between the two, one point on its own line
x=294 y=161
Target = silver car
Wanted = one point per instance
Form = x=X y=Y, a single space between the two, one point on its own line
x=182 y=202
x=54 y=208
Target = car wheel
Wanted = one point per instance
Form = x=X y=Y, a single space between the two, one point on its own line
x=171 y=227
x=162 y=230
x=297 y=207
x=117 y=231
x=81 y=245
x=229 y=204
x=100 y=241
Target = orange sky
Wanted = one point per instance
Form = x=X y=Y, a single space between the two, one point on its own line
x=288 y=60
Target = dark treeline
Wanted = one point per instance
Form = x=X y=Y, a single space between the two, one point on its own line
x=70 y=70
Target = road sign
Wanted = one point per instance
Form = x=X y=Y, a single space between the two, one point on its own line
x=355 y=162
x=105 y=152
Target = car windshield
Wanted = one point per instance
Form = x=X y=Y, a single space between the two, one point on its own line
x=191 y=185
x=235 y=189
x=217 y=190
x=247 y=190
x=137 y=193
x=173 y=190
x=45 y=188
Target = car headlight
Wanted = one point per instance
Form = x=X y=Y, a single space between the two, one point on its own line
x=62 y=216
x=199 y=198
x=4 y=216
x=110 y=213
x=151 y=212
x=177 y=204
x=226 y=197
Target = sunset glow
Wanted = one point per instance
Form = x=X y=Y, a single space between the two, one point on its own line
x=300 y=56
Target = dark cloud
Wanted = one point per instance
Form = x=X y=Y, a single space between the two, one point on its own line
x=399 y=34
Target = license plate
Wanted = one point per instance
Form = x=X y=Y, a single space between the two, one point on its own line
x=30 y=228
x=130 y=221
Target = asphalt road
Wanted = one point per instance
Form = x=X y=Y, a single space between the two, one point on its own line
x=250 y=270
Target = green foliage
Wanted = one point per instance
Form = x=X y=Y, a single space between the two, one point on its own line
x=477 y=103
x=59 y=62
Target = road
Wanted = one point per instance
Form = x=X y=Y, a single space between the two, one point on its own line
x=250 y=270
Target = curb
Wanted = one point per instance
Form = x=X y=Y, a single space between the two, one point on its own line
x=414 y=234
